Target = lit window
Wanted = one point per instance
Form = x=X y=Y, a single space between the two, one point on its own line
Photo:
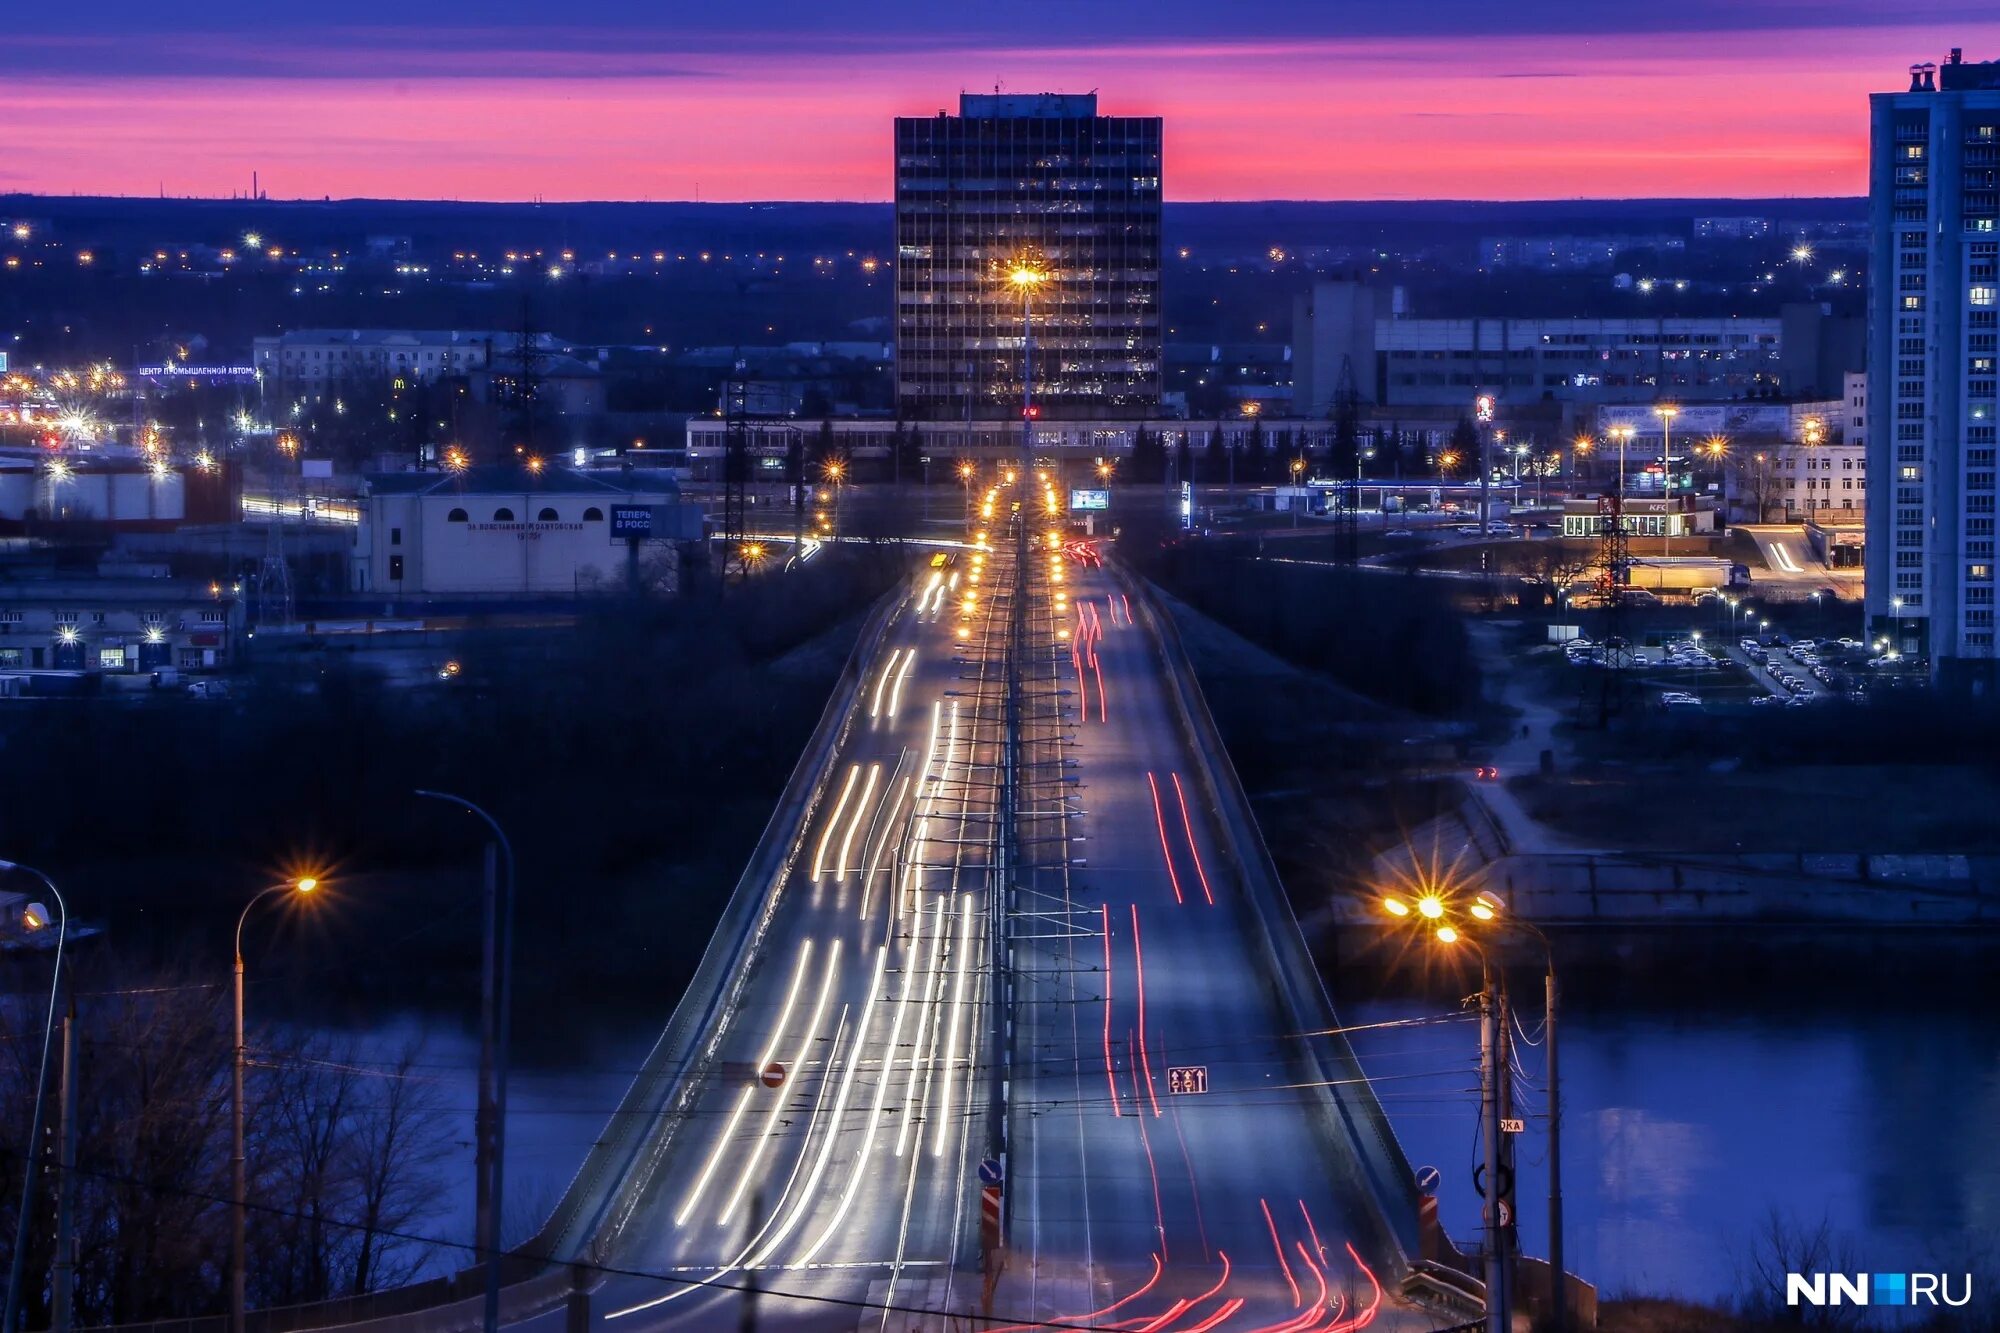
x=1980 y=296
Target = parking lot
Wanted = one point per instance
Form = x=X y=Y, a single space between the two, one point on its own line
x=1692 y=672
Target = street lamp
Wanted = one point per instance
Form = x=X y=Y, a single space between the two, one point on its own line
x=1896 y=610
x=496 y=1021
x=35 y=917
x=1455 y=918
x=237 y=1266
x=1666 y=412
x=1027 y=278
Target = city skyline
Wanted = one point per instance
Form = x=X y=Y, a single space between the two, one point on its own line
x=1750 y=100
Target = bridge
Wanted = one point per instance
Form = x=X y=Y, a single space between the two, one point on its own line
x=1008 y=1023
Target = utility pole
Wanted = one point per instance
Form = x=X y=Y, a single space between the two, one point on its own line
x=1559 y=1282
x=63 y=1281
x=485 y=1225
x=1499 y=1314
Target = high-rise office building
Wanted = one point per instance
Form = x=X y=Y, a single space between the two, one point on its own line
x=1039 y=180
x=1934 y=303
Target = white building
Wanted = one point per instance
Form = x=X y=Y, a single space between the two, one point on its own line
x=507 y=530
x=1933 y=341
x=316 y=358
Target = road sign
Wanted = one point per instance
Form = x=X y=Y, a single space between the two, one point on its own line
x=773 y=1075
x=1513 y=1126
x=989 y=1217
x=1428 y=1178
x=989 y=1172
x=1187 y=1078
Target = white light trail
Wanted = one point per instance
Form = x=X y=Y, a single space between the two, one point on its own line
x=728 y=1133
x=882 y=681
x=889 y=828
x=833 y=820
x=839 y=1109
x=854 y=824
x=957 y=1020
x=912 y=1109
x=771 y=1117
x=896 y=694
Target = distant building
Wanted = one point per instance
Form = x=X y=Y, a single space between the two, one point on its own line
x=1731 y=228
x=1040 y=180
x=510 y=531
x=1934 y=339
x=115 y=626
x=1572 y=254
x=1406 y=362
x=316 y=358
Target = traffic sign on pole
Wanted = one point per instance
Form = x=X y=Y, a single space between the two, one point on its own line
x=773 y=1075
x=989 y=1171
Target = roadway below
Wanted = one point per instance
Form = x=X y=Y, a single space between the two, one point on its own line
x=1169 y=1160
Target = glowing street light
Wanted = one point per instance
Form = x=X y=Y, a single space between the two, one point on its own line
x=302 y=885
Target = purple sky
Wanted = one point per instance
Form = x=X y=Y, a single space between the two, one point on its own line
x=1286 y=99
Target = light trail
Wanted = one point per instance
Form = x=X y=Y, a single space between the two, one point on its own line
x=882 y=681
x=1228 y=1310
x=1086 y=1320
x=932 y=988
x=1278 y=1246
x=889 y=830
x=1152 y=1170
x=833 y=820
x=1103 y=700
x=957 y=1021
x=1188 y=825
x=771 y=1117
x=1139 y=958
x=806 y=1196
x=728 y=1133
x=1110 y=1076
x=1160 y=819
x=896 y=694
x=854 y=824
x=1366 y=1317
x=1313 y=1231
x=859 y=1168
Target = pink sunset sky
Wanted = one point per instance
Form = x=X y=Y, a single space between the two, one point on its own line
x=622 y=110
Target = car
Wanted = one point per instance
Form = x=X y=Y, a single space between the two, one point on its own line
x=1399 y=533
x=1765 y=701
x=1797 y=702
x=1486 y=773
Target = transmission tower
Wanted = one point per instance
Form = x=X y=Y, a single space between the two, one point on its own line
x=1613 y=571
x=528 y=383
x=274 y=572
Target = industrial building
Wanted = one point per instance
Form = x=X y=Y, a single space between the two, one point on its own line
x=114 y=626
x=511 y=531
x=1345 y=329
x=1039 y=182
x=312 y=359
x=1933 y=341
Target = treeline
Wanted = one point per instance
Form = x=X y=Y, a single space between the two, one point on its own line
x=633 y=760
x=344 y=1157
x=1398 y=640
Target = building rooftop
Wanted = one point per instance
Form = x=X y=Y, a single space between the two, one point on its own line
x=401 y=337
x=516 y=479
x=1037 y=106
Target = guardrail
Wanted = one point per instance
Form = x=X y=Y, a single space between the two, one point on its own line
x=1351 y=1113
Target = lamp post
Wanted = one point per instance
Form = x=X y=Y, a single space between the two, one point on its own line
x=966 y=472
x=1896 y=610
x=237 y=1175
x=1666 y=412
x=496 y=1018
x=1027 y=278
x=36 y=917
x=1456 y=919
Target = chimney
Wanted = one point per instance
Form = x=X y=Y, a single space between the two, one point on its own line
x=1957 y=56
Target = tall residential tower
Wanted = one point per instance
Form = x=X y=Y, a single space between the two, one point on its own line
x=1041 y=180
x=1934 y=206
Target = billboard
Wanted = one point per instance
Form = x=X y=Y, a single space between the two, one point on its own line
x=1086 y=500
x=631 y=522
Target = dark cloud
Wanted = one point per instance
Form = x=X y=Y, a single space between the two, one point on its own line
x=610 y=38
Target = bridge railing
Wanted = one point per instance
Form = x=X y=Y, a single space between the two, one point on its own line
x=1351 y=1113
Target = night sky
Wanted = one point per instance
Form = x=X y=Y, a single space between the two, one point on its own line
x=619 y=99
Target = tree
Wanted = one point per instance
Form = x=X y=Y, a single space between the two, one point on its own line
x=1149 y=456
x=1216 y=454
x=1256 y=453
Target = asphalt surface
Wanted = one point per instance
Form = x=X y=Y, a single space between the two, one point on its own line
x=829 y=1174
